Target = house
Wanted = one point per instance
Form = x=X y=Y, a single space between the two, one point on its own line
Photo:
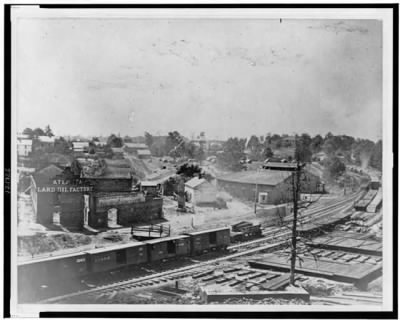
x=80 y=146
x=200 y=192
x=133 y=147
x=43 y=143
x=289 y=141
x=118 y=152
x=24 y=147
x=101 y=142
x=267 y=186
x=144 y=154
x=320 y=156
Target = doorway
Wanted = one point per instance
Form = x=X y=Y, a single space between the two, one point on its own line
x=213 y=238
x=121 y=256
x=86 y=210
x=112 y=217
x=171 y=248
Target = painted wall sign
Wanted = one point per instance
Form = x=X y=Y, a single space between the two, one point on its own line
x=125 y=199
x=64 y=189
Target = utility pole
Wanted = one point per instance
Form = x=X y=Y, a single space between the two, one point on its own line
x=295 y=195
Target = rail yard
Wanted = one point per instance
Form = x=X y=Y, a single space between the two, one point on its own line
x=128 y=227
x=211 y=261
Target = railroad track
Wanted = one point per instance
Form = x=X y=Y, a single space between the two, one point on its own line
x=272 y=240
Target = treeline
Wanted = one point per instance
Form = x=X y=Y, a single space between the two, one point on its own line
x=174 y=145
x=335 y=149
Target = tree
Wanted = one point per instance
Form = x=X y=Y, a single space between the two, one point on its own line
x=114 y=142
x=334 y=167
x=316 y=143
x=127 y=139
x=61 y=146
x=233 y=152
x=29 y=132
x=149 y=139
x=268 y=153
x=256 y=148
x=303 y=152
x=376 y=157
x=48 y=132
x=189 y=171
x=39 y=132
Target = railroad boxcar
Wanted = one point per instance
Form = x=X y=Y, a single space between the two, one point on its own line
x=168 y=247
x=136 y=253
x=105 y=259
x=44 y=275
x=206 y=240
x=375 y=184
x=48 y=272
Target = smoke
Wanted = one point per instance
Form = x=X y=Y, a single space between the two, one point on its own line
x=364 y=158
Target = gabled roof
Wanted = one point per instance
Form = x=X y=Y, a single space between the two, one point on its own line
x=195 y=182
x=265 y=177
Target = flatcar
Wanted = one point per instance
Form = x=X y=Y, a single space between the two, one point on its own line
x=362 y=205
x=167 y=248
x=206 y=240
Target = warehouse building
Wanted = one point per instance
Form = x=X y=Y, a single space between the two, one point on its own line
x=266 y=186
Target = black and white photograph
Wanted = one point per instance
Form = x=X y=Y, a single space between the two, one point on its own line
x=201 y=159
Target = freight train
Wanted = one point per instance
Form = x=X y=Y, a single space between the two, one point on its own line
x=70 y=268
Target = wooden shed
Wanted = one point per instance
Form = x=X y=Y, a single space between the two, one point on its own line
x=200 y=192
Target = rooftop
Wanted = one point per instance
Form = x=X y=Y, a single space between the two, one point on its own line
x=110 y=173
x=49 y=172
x=120 y=163
x=46 y=139
x=207 y=231
x=265 y=177
x=117 y=150
x=135 y=145
x=149 y=183
x=116 y=247
x=144 y=152
x=280 y=166
x=195 y=182
x=25 y=142
x=163 y=239
x=80 y=144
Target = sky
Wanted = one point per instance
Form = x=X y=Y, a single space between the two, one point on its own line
x=226 y=77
